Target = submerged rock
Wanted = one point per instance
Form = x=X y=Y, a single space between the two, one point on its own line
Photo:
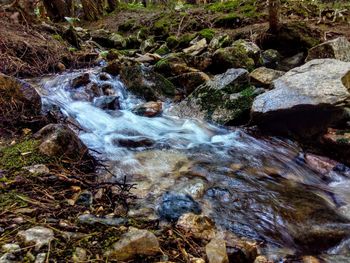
x=136 y=142
x=135 y=242
x=81 y=80
x=173 y=205
x=37 y=236
x=107 y=102
x=338 y=48
x=147 y=83
x=226 y=99
x=306 y=100
x=58 y=140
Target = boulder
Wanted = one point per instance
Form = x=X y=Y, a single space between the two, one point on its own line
x=226 y=99
x=338 y=48
x=135 y=242
x=241 y=54
x=264 y=76
x=114 y=67
x=149 y=109
x=20 y=102
x=81 y=80
x=306 y=100
x=337 y=141
x=270 y=58
x=135 y=142
x=173 y=64
x=196 y=48
x=216 y=251
x=107 y=39
x=107 y=102
x=190 y=81
x=219 y=42
x=201 y=62
x=57 y=140
x=37 y=236
x=147 y=45
x=118 y=41
x=289 y=63
x=147 y=83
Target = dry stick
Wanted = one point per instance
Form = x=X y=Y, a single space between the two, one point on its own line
x=179 y=28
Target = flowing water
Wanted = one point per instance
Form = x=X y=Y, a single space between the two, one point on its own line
x=261 y=189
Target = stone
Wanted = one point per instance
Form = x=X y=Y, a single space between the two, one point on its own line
x=162 y=50
x=119 y=41
x=93 y=90
x=338 y=48
x=103 y=38
x=94 y=220
x=104 y=76
x=196 y=48
x=320 y=164
x=190 y=81
x=219 y=42
x=20 y=102
x=85 y=198
x=107 y=102
x=40 y=258
x=58 y=140
x=147 y=83
x=173 y=205
x=81 y=80
x=262 y=259
x=79 y=255
x=60 y=67
x=306 y=100
x=135 y=242
x=310 y=259
x=226 y=99
x=264 y=76
x=241 y=54
x=202 y=62
x=10 y=248
x=199 y=226
x=37 y=169
x=108 y=89
x=270 y=58
x=9 y=258
x=136 y=142
x=338 y=141
x=289 y=63
x=147 y=45
x=148 y=109
x=216 y=251
x=38 y=236
x=114 y=67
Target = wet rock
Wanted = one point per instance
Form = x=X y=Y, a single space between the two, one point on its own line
x=136 y=142
x=310 y=259
x=306 y=100
x=320 y=164
x=239 y=250
x=107 y=102
x=241 y=54
x=148 y=58
x=338 y=48
x=9 y=248
x=338 y=141
x=93 y=90
x=270 y=58
x=114 y=67
x=135 y=242
x=81 y=80
x=149 y=109
x=264 y=76
x=173 y=205
x=147 y=83
x=108 y=221
x=216 y=251
x=226 y=99
x=79 y=255
x=104 y=76
x=199 y=226
x=60 y=67
x=196 y=48
x=19 y=100
x=190 y=81
x=108 y=89
x=58 y=140
x=37 y=236
x=262 y=259
x=37 y=169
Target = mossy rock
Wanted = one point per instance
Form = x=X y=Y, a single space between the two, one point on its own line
x=24 y=153
x=161 y=27
x=162 y=50
x=207 y=33
x=172 y=42
x=147 y=83
x=132 y=42
x=228 y=21
x=128 y=25
x=184 y=40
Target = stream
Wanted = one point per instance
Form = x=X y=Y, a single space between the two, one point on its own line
x=261 y=189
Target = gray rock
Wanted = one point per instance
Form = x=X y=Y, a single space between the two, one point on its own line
x=107 y=102
x=216 y=251
x=306 y=100
x=9 y=248
x=37 y=169
x=81 y=80
x=338 y=48
x=270 y=58
x=9 y=258
x=118 y=40
x=40 y=258
x=289 y=63
x=225 y=99
x=134 y=242
x=196 y=48
x=199 y=226
x=38 y=236
x=264 y=76
x=92 y=220
x=147 y=45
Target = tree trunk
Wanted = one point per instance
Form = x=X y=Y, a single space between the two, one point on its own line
x=93 y=9
x=274 y=15
x=58 y=9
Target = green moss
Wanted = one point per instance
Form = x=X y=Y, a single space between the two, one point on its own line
x=58 y=37
x=128 y=25
x=11 y=199
x=185 y=40
x=228 y=21
x=161 y=27
x=172 y=42
x=22 y=154
x=207 y=33
x=162 y=50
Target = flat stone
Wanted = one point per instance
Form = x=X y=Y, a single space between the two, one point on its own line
x=264 y=76
x=38 y=236
x=134 y=242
